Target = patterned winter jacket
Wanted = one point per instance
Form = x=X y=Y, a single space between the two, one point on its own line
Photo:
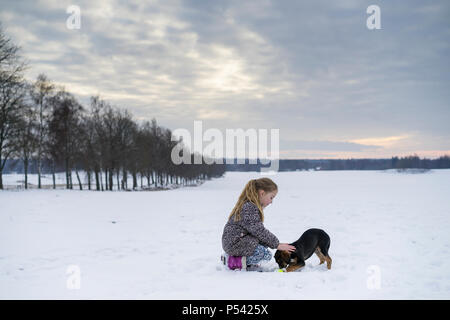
x=241 y=238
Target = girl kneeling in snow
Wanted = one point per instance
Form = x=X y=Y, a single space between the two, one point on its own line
x=245 y=239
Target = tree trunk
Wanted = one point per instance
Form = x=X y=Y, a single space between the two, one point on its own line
x=78 y=178
x=135 y=185
x=70 y=179
x=106 y=179
x=53 y=174
x=110 y=176
x=89 y=179
x=124 y=179
x=25 y=167
x=67 y=173
x=40 y=142
x=97 y=180
x=39 y=171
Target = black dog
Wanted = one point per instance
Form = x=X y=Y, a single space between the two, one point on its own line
x=312 y=241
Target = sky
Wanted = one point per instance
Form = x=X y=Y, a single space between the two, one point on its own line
x=311 y=69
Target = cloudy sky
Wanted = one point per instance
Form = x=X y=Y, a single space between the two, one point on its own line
x=311 y=69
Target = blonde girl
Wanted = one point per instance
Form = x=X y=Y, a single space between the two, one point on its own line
x=245 y=240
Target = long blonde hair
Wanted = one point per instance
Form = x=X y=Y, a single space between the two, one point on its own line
x=250 y=193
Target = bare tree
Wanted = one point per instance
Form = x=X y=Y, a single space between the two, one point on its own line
x=41 y=92
x=125 y=137
x=145 y=143
x=63 y=127
x=97 y=139
x=11 y=94
x=26 y=138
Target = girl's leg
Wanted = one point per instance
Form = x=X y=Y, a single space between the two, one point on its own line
x=234 y=262
x=261 y=253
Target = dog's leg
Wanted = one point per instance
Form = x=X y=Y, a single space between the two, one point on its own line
x=328 y=259
x=294 y=267
x=320 y=255
x=295 y=264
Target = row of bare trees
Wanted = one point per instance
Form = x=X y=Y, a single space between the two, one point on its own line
x=42 y=123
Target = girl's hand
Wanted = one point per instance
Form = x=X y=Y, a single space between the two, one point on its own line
x=286 y=247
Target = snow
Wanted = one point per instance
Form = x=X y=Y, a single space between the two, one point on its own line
x=16 y=181
x=389 y=234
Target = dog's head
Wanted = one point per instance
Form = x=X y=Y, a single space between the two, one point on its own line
x=282 y=258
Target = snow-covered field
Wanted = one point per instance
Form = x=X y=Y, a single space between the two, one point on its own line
x=390 y=239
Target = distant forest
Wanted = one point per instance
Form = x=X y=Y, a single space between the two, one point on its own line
x=288 y=164
x=350 y=164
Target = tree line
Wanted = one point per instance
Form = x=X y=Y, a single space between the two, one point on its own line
x=45 y=124
x=407 y=162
